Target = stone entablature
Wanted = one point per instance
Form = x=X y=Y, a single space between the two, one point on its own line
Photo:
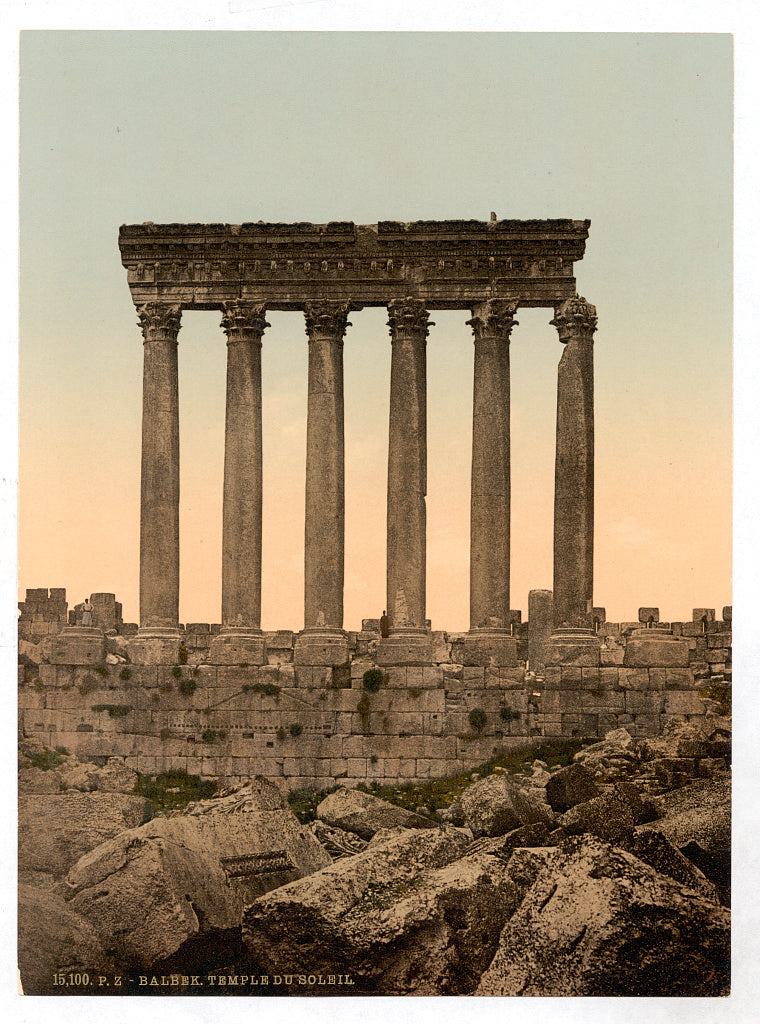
x=445 y=264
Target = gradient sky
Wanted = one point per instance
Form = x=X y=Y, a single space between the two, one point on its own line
x=631 y=131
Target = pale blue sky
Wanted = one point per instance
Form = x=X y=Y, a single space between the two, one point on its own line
x=631 y=131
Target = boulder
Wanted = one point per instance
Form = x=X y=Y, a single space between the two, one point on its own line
x=83 y=777
x=570 y=786
x=53 y=939
x=409 y=915
x=597 y=921
x=337 y=842
x=699 y=812
x=56 y=830
x=497 y=805
x=180 y=880
x=115 y=777
x=355 y=811
x=37 y=780
x=678 y=739
x=656 y=851
x=608 y=816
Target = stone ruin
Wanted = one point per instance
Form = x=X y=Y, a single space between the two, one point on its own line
x=231 y=700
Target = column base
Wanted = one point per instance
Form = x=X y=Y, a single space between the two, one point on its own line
x=407 y=645
x=155 y=645
x=489 y=646
x=574 y=645
x=236 y=645
x=78 y=645
x=321 y=645
x=657 y=648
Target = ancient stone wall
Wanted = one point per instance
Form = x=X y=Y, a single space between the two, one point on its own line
x=310 y=726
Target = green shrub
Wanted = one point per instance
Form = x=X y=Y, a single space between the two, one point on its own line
x=114 y=710
x=296 y=729
x=177 y=672
x=263 y=689
x=102 y=670
x=478 y=719
x=47 y=759
x=508 y=715
x=171 y=791
x=125 y=674
x=372 y=679
x=212 y=735
x=188 y=687
x=281 y=733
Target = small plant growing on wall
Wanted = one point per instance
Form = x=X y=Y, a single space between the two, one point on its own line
x=281 y=733
x=164 y=734
x=296 y=729
x=166 y=688
x=125 y=674
x=182 y=654
x=478 y=719
x=102 y=670
x=177 y=672
x=263 y=689
x=188 y=687
x=506 y=714
x=372 y=679
x=212 y=735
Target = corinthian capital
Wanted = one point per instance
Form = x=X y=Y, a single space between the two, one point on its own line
x=494 y=317
x=574 y=318
x=326 y=318
x=159 y=321
x=408 y=316
x=243 y=321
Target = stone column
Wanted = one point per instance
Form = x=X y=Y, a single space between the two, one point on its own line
x=409 y=642
x=241 y=639
x=575 y=320
x=489 y=640
x=323 y=641
x=159 y=487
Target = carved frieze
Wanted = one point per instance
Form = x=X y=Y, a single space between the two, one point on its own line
x=448 y=264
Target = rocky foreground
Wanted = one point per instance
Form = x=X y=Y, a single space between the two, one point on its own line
x=607 y=877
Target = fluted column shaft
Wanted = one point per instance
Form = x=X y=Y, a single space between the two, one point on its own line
x=326 y=324
x=407 y=464
x=159 y=483
x=492 y=324
x=575 y=320
x=244 y=325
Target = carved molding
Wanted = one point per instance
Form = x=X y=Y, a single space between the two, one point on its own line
x=495 y=317
x=327 y=319
x=159 y=321
x=408 y=316
x=243 y=321
x=573 y=318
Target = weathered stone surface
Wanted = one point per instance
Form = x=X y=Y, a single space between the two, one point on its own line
x=403 y=917
x=679 y=738
x=654 y=849
x=608 y=816
x=56 y=830
x=699 y=812
x=336 y=841
x=115 y=777
x=641 y=653
x=152 y=888
x=52 y=939
x=35 y=780
x=363 y=814
x=569 y=786
x=599 y=922
x=497 y=805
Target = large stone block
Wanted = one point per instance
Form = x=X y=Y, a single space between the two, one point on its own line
x=237 y=649
x=402 y=648
x=483 y=647
x=78 y=645
x=641 y=652
x=154 y=650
